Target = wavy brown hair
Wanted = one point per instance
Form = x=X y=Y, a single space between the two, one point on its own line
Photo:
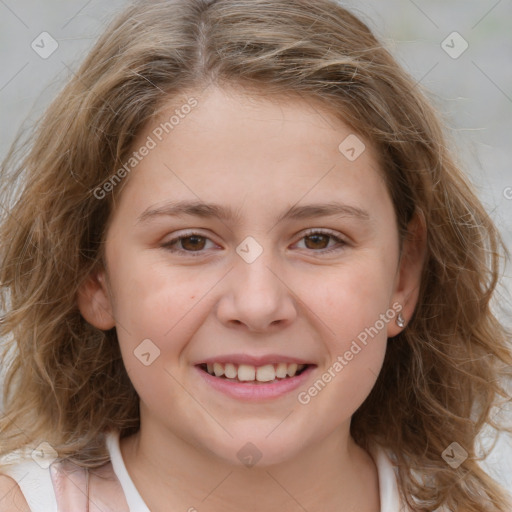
x=66 y=383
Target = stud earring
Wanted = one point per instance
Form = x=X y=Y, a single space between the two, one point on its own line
x=400 y=321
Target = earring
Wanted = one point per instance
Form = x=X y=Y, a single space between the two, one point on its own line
x=400 y=321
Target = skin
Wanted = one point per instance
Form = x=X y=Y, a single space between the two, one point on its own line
x=259 y=156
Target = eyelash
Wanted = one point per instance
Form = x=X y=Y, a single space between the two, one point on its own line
x=169 y=245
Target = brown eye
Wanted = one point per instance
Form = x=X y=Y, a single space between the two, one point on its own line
x=322 y=242
x=196 y=244
x=193 y=243
x=318 y=241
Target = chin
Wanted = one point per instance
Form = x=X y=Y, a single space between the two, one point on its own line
x=259 y=451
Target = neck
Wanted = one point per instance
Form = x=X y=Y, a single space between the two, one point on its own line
x=332 y=475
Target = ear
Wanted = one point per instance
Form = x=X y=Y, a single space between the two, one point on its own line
x=409 y=272
x=94 y=301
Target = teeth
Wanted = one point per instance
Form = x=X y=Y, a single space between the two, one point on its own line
x=281 y=370
x=218 y=369
x=230 y=371
x=292 y=369
x=266 y=373
x=247 y=372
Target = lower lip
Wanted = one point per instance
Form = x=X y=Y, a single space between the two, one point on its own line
x=255 y=392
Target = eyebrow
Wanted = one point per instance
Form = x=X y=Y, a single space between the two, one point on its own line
x=212 y=210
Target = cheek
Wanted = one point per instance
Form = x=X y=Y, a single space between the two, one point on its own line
x=151 y=295
x=354 y=297
x=155 y=302
x=354 y=307
x=156 y=316
x=355 y=354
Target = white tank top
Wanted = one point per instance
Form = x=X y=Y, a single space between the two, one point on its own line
x=65 y=487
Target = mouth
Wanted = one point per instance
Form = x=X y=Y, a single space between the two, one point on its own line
x=254 y=378
x=254 y=375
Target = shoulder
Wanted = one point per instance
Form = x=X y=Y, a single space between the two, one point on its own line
x=27 y=485
x=11 y=497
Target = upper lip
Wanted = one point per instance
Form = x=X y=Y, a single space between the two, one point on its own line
x=253 y=360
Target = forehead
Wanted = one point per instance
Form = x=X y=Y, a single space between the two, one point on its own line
x=239 y=147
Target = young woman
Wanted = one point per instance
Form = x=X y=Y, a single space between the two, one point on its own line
x=244 y=273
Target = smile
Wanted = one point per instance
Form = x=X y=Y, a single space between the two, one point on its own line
x=249 y=373
x=265 y=379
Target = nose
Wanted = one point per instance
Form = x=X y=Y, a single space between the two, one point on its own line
x=257 y=296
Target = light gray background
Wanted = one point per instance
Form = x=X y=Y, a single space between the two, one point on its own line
x=473 y=92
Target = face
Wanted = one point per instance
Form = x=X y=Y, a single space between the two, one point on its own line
x=287 y=282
